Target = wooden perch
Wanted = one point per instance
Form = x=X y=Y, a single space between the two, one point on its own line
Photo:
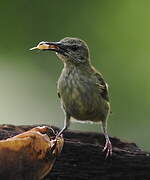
x=82 y=157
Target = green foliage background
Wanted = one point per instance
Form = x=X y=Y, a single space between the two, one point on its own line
x=118 y=34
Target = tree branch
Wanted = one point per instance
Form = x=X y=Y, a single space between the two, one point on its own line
x=82 y=157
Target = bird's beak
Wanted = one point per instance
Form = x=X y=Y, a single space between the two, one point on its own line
x=53 y=46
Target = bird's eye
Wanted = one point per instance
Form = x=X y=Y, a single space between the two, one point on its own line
x=74 y=47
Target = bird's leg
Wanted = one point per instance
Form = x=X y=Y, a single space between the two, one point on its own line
x=66 y=124
x=108 y=145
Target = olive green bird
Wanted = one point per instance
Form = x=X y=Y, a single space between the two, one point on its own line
x=82 y=90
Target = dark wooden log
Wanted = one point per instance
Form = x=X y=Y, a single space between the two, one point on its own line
x=82 y=157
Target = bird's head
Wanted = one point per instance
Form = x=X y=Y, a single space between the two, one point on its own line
x=69 y=50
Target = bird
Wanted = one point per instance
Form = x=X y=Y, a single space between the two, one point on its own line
x=82 y=90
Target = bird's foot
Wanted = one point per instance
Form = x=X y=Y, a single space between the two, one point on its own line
x=60 y=133
x=108 y=148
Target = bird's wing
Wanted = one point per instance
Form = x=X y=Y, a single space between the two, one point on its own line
x=103 y=86
x=58 y=94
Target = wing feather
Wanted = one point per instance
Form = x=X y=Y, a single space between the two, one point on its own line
x=103 y=86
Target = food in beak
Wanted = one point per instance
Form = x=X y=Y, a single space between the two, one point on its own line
x=41 y=46
x=44 y=46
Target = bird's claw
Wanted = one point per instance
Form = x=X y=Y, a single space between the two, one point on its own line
x=108 y=148
x=59 y=134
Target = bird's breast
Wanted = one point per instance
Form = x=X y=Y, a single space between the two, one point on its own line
x=78 y=95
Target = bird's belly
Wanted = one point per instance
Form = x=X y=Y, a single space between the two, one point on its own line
x=81 y=105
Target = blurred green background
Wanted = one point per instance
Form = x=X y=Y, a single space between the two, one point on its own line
x=118 y=35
